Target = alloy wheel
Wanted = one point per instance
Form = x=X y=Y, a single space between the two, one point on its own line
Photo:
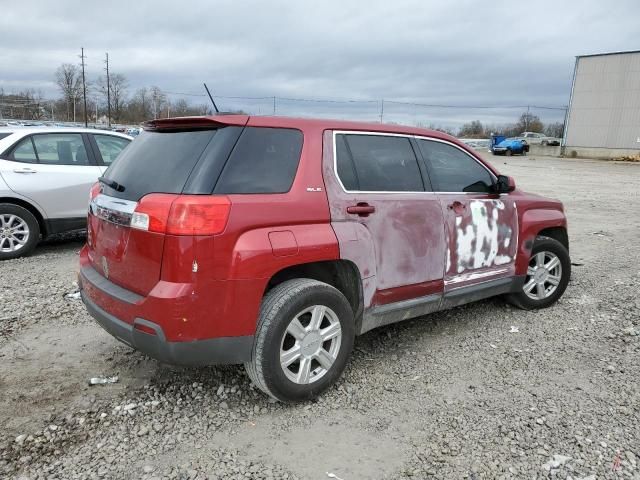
x=543 y=275
x=14 y=232
x=310 y=344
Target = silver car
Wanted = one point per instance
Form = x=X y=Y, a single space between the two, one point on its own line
x=45 y=177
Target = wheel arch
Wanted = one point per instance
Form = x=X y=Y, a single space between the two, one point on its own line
x=341 y=274
x=32 y=208
x=547 y=221
x=557 y=233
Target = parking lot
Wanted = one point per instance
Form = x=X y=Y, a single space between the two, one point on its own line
x=458 y=394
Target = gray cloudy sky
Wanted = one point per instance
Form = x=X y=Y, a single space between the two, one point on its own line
x=455 y=52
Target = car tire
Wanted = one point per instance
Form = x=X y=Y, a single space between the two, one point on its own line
x=545 y=143
x=545 y=250
x=508 y=153
x=279 y=338
x=19 y=231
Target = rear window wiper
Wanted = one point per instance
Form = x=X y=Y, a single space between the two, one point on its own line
x=112 y=184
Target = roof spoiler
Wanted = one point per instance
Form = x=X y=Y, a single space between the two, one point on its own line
x=195 y=123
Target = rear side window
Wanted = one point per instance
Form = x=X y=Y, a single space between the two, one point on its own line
x=24 y=152
x=157 y=162
x=377 y=163
x=452 y=170
x=110 y=147
x=264 y=160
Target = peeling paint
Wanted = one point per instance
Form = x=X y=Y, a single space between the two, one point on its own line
x=480 y=235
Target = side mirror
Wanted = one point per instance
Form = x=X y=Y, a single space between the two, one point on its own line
x=505 y=184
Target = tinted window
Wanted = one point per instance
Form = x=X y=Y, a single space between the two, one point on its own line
x=346 y=170
x=3 y=135
x=453 y=170
x=110 y=147
x=61 y=149
x=157 y=162
x=264 y=160
x=382 y=163
x=24 y=152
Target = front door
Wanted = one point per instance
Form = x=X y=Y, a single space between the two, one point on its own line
x=481 y=226
x=383 y=211
x=55 y=171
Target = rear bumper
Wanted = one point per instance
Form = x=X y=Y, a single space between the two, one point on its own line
x=210 y=351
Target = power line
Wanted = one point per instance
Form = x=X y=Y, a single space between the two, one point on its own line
x=379 y=102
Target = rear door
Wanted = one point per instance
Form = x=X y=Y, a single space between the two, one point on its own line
x=384 y=198
x=56 y=170
x=481 y=226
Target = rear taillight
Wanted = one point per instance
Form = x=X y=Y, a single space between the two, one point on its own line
x=181 y=214
x=95 y=190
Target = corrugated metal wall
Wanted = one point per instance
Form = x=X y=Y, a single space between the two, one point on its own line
x=605 y=107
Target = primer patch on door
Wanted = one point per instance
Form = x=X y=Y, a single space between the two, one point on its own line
x=483 y=237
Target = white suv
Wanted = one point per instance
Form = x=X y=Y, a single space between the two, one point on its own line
x=45 y=177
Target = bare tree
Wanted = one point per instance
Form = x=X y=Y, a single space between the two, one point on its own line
x=158 y=98
x=528 y=122
x=118 y=85
x=555 y=129
x=139 y=107
x=472 y=130
x=69 y=81
x=181 y=108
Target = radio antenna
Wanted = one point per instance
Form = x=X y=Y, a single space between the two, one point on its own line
x=212 y=101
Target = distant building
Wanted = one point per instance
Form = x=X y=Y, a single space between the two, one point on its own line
x=604 y=111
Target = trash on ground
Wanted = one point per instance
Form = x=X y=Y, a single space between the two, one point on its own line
x=103 y=380
x=333 y=475
x=73 y=296
x=514 y=329
x=492 y=345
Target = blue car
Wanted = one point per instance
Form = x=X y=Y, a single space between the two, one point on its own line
x=508 y=146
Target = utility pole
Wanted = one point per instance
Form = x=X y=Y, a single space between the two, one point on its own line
x=381 y=110
x=84 y=87
x=274 y=105
x=108 y=93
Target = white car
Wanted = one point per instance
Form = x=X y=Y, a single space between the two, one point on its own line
x=45 y=177
x=534 y=138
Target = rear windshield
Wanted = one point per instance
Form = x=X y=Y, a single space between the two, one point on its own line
x=157 y=162
x=226 y=160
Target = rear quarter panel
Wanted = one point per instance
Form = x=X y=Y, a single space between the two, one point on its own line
x=266 y=233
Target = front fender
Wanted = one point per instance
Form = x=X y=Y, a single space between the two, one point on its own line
x=532 y=222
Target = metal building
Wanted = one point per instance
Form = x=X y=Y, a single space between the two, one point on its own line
x=604 y=111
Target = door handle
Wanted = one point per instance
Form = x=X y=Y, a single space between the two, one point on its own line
x=361 y=209
x=456 y=206
x=24 y=170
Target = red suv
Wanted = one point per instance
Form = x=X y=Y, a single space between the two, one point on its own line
x=273 y=242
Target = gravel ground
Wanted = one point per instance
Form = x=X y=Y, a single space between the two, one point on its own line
x=452 y=395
